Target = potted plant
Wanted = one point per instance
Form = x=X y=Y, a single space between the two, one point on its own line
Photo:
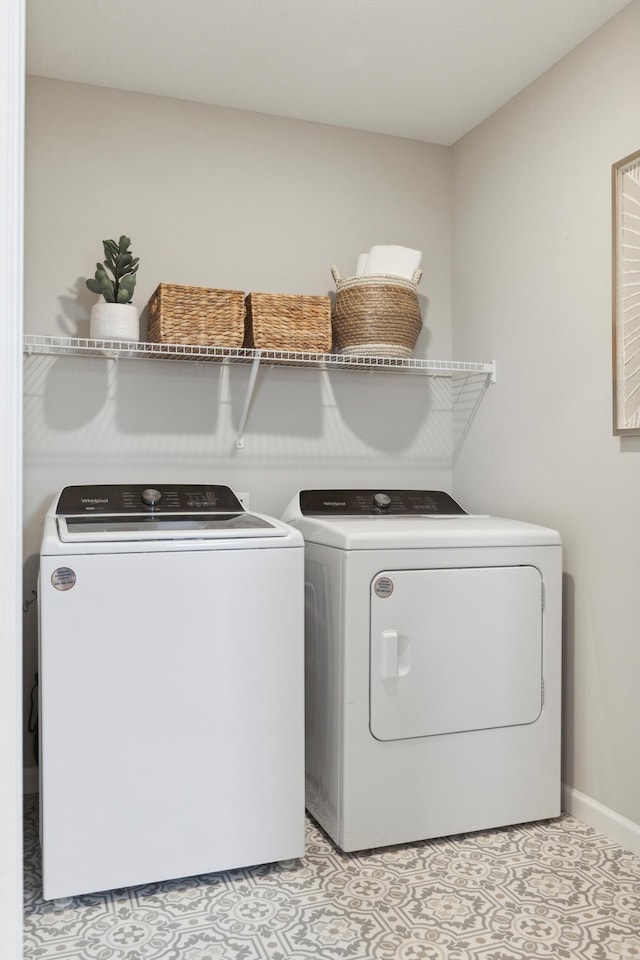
x=115 y=318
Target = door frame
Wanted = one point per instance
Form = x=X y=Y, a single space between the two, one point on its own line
x=12 y=82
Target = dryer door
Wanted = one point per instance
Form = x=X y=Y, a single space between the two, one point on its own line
x=455 y=649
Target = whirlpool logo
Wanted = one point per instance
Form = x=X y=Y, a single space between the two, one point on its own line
x=95 y=500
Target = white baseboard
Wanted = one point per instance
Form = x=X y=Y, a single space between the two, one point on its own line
x=608 y=822
x=30 y=782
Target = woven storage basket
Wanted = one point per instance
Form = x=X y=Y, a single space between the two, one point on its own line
x=376 y=316
x=288 y=321
x=203 y=316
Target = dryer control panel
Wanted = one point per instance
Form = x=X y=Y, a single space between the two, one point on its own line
x=368 y=503
x=117 y=499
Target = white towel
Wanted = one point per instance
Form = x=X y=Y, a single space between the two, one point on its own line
x=394 y=260
x=361 y=265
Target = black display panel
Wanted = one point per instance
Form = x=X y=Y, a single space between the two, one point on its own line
x=154 y=499
x=397 y=503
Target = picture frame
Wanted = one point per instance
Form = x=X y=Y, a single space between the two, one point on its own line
x=625 y=187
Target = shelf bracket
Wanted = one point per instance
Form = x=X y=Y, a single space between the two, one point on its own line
x=255 y=366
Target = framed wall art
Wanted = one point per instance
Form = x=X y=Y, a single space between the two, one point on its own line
x=626 y=295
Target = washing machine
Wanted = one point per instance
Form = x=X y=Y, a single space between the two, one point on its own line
x=433 y=666
x=171 y=686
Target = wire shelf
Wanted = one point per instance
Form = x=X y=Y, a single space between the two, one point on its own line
x=128 y=350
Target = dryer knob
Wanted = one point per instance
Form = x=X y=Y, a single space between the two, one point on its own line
x=381 y=500
x=151 y=496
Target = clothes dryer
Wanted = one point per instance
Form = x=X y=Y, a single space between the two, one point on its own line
x=433 y=666
x=171 y=686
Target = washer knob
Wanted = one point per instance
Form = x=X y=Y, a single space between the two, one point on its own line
x=381 y=500
x=151 y=496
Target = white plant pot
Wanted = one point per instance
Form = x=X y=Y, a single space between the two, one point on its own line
x=114 y=321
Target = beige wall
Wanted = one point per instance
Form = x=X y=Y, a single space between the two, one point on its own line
x=222 y=198
x=532 y=268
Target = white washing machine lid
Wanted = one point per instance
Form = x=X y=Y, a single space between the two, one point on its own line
x=403 y=519
x=191 y=514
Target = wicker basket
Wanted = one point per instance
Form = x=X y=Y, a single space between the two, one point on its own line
x=376 y=316
x=288 y=321
x=202 y=316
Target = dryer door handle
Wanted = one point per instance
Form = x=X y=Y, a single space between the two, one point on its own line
x=395 y=655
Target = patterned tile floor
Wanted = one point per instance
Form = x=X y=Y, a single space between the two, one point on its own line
x=553 y=889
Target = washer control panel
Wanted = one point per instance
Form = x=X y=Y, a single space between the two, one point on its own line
x=367 y=503
x=158 y=499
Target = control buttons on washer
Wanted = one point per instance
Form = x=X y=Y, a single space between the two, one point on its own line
x=381 y=500
x=151 y=496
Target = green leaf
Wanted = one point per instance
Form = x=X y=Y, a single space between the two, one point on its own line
x=128 y=285
x=107 y=289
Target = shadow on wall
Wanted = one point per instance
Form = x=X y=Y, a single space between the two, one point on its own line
x=76 y=310
x=99 y=404
x=29 y=653
x=568 y=676
x=71 y=391
x=467 y=392
x=287 y=401
x=149 y=397
x=168 y=397
x=388 y=411
x=102 y=406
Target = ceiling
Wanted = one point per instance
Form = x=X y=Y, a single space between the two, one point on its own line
x=426 y=69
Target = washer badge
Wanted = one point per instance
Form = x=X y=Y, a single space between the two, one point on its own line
x=63 y=578
x=383 y=587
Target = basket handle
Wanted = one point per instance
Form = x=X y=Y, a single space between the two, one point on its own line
x=337 y=276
